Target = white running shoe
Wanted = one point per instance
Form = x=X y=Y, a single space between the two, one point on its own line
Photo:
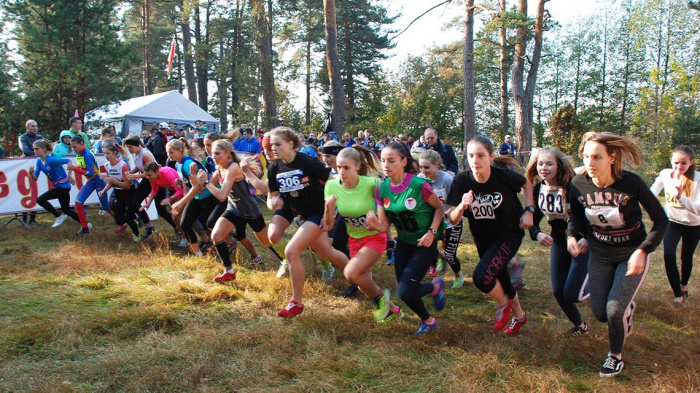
x=59 y=221
x=327 y=274
x=283 y=271
x=89 y=225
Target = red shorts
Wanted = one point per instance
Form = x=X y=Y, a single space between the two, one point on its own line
x=375 y=242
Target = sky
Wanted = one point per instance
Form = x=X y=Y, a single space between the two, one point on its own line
x=430 y=29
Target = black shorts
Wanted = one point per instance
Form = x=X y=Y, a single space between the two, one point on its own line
x=256 y=224
x=286 y=212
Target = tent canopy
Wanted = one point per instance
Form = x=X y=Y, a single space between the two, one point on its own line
x=168 y=106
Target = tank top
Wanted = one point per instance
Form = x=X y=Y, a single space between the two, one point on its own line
x=138 y=159
x=241 y=202
x=115 y=172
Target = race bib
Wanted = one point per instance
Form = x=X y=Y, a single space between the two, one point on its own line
x=484 y=206
x=551 y=203
x=441 y=194
x=81 y=161
x=606 y=218
x=356 y=222
x=292 y=181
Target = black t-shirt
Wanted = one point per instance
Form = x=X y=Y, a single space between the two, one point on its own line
x=611 y=215
x=496 y=209
x=301 y=183
x=553 y=203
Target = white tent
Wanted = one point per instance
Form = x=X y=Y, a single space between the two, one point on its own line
x=153 y=109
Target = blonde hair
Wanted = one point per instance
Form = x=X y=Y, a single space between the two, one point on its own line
x=224 y=144
x=232 y=135
x=565 y=171
x=433 y=157
x=179 y=144
x=287 y=134
x=369 y=166
x=44 y=144
x=624 y=150
x=112 y=145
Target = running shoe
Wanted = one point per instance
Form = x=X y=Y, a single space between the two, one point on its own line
x=432 y=272
x=183 y=243
x=227 y=276
x=206 y=246
x=256 y=260
x=298 y=221
x=440 y=265
x=136 y=239
x=59 y=221
x=292 y=310
x=459 y=281
x=350 y=292
x=327 y=274
x=121 y=228
x=515 y=325
x=149 y=232
x=439 y=294
x=83 y=232
x=578 y=330
x=395 y=314
x=89 y=225
x=685 y=295
x=381 y=311
x=516 y=267
x=629 y=315
x=502 y=317
x=426 y=328
x=390 y=256
x=611 y=367
x=283 y=271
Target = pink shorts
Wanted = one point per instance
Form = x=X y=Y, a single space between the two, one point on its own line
x=375 y=242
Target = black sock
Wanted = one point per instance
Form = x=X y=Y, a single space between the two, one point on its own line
x=275 y=252
x=224 y=255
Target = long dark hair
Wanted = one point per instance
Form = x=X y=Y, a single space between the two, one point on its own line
x=689 y=175
x=503 y=162
x=411 y=164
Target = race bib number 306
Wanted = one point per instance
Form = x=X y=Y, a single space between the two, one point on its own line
x=292 y=181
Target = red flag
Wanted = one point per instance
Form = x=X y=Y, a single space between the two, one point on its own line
x=170 y=56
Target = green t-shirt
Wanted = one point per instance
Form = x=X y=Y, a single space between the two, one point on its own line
x=353 y=204
x=408 y=209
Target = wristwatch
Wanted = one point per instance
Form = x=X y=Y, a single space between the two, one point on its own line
x=433 y=231
x=530 y=209
x=206 y=182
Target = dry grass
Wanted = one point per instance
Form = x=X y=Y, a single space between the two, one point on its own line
x=103 y=314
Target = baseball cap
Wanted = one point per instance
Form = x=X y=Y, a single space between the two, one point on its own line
x=203 y=128
x=266 y=142
x=163 y=125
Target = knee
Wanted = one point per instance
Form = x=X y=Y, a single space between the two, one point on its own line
x=292 y=253
x=218 y=236
x=614 y=310
x=274 y=236
x=351 y=275
x=482 y=280
x=406 y=292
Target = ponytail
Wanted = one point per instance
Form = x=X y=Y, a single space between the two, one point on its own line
x=363 y=156
x=44 y=144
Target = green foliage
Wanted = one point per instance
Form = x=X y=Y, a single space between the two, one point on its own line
x=565 y=130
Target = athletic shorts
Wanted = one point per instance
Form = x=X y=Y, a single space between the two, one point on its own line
x=256 y=224
x=376 y=242
x=286 y=212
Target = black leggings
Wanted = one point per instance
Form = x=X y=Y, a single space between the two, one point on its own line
x=63 y=196
x=196 y=208
x=450 y=243
x=412 y=262
x=122 y=214
x=493 y=265
x=340 y=237
x=690 y=236
x=142 y=191
x=216 y=213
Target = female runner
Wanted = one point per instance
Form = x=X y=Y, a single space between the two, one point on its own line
x=115 y=178
x=53 y=169
x=410 y=203
x=301 y=179
x=87 y=166
x=488 y=197
x=430 y=163
x=352 y=194
x=605 y=205
x=680 y=185
x=551 y=172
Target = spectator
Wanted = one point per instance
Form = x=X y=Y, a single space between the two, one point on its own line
x=347 y=141
x=311 y=140
x=145 y=136
x=248 y=143
x=201 y=132
x=75 y=129
x=26 y=140
x=447 y=153
x=419 y=143
x=507 y=148
x=113 y=131
x=156 y=144
x=382 y=142
x=106 y=134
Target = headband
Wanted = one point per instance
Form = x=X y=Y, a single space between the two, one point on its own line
x=131 y=142
x=334 y=150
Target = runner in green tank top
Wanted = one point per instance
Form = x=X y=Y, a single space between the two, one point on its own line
x=352 y=194
x=415 y=210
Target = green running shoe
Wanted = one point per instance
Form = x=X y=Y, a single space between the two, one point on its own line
x=381 y=310
x=459 y=282
x=440 y=265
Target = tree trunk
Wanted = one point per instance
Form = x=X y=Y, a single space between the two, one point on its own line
x=237 y=12
x=267 y=79
x=202 y=56
x=605 y=58
x=577 y=82
x=190 y=79
x=308 y=82
x=504 y=73
x=337 y=95
x=349 y=71
x=468 y=71
x=223 y=99
x=147 y=84
x=524 y=95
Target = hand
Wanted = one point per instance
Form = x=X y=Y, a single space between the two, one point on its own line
x=325 y=227
x=426 y=240
x=100 y=193
x=371 y=220
x=526 y=220
x=147 y=205
x=31 y=169
x=675 y=195
x=196 y=181
x=467 y=200
x=70 y=165
x=131 y=176
x=330 y=203
x=179 y=183
x=175 y=209
x=545 y=239
x=636 y=263
x=582 y=246
x=165 y=202
x=103 y=176
x=202 y=176
x=572 y=246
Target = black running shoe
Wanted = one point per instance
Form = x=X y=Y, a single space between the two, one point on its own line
x=82 y=232
x=149 y=232
x=611 y=367
x=579 y=331
x=351 y=291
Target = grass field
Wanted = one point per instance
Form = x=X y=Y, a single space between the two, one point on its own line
x=104 y=314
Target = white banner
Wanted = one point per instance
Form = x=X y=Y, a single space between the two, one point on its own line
x=18 y=191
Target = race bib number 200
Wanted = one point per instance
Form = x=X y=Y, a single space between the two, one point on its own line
x=292 y=181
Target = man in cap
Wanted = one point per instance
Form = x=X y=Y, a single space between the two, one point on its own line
x=507 y=148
